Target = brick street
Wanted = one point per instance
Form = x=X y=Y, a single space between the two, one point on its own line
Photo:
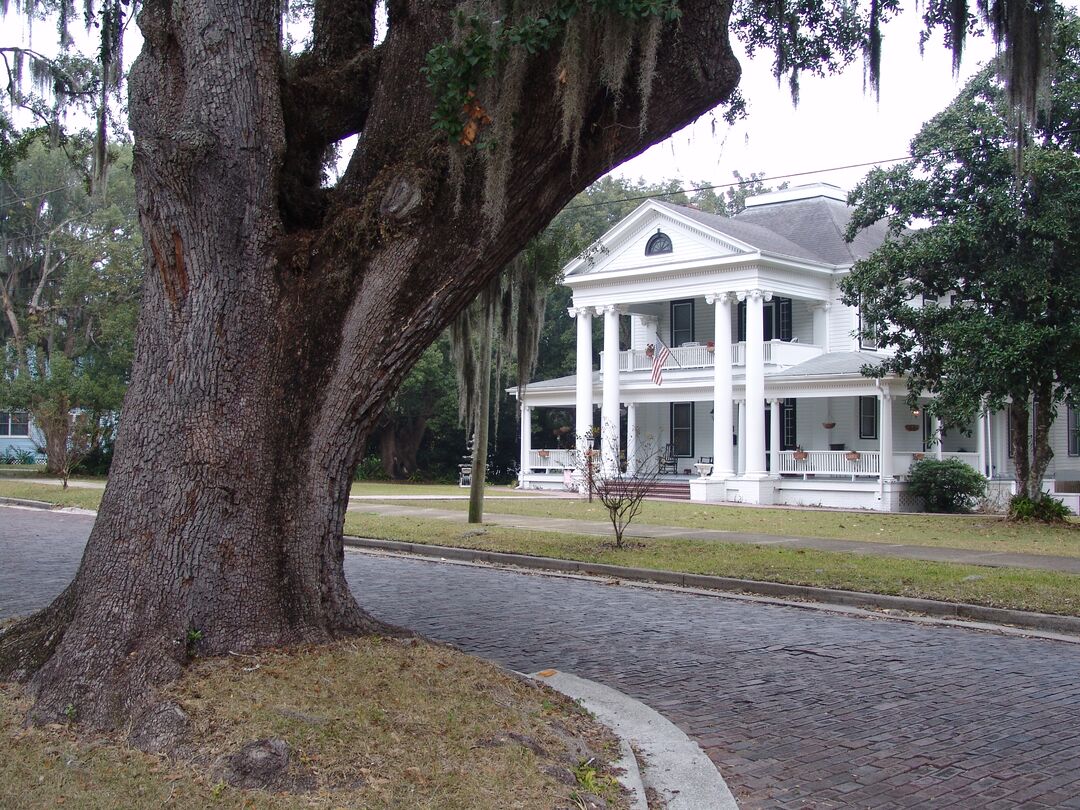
x=798 y=708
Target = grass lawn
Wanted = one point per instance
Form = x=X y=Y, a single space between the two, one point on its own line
x=976 y=532
x=1023 y=589
x=50 y=493
x=371 y=723
x=425 y=490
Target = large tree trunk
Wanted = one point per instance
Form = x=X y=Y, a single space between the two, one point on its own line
x=279 y=317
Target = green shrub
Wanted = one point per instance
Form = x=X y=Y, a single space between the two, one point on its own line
x=1044 y=508
x=946 y=486
x=370 y=468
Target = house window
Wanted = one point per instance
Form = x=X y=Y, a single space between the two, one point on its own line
x=868 y=418
x=775 y=322
x=682 y=429
x=682 y=322
x=866 y=341
x=1074 y=430
x=788 y=439
x=659 y=243
x=14 y=423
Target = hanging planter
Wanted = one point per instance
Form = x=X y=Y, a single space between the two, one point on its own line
x=828 y=425
x=911 y=428
x=852 y=455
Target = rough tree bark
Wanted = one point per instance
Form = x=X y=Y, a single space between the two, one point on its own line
x=278 y=317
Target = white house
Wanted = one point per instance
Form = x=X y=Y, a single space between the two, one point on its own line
x=763 y=382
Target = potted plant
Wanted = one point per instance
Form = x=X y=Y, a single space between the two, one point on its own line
x=828 y=425
x=918 y=456
x=710 y=346
x=852 y=455
x=800 y=454
x=543 y=453
x=650 y=350
x=911 y=428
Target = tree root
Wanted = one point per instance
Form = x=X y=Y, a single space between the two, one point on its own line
x=27 y=644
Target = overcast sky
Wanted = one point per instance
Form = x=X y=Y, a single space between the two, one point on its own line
x=835 y=124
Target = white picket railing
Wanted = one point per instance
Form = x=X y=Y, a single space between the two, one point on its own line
x=830 y=462
x=551 y=459
x=775 y=352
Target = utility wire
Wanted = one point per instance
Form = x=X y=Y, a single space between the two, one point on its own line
x=748 y=181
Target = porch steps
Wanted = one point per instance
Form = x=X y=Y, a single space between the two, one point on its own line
x=670 y=491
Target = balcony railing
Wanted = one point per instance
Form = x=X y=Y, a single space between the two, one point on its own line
x=777 y=352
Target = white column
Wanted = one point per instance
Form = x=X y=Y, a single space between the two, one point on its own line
x=526 y=443
x=774 y=437
x=741 y=406
x=609 y=416
x=631 y=439
x=989 y=416
x=821 y=324
x=583 y=402
x=885 y=434
x=723 y=413
x=937 y=438
x=755 y=383
x=980 y=442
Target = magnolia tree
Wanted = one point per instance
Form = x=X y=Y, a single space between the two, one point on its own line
x=280 y=311
x=981 y=307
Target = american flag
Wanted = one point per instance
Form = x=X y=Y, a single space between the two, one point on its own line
x=660 y=357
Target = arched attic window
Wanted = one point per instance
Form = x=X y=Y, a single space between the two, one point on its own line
x=659 y=243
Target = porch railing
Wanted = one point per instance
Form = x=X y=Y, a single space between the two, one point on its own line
x=830 y=462
x=551 y=460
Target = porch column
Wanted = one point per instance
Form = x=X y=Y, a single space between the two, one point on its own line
x=631 y=438
x=980 y=442
x=583 y=402
x=609 y=415
x=774 y=437
x=937 y=438
x=755 y=383
x=526 y=444
x=989 y=416
x=821 y=324
x=723 y=413
x=885 y=434
x=741 y=467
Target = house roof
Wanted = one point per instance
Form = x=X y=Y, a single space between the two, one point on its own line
x=810 y=227
x=831 y=364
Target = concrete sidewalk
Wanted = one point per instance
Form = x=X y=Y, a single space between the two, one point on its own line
x=1046 y=562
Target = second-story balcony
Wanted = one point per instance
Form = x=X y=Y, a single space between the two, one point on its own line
x=777 y=353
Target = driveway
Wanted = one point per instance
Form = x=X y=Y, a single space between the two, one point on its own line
x=798 y=708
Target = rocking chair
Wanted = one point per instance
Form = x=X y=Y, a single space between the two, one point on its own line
x=668 y=463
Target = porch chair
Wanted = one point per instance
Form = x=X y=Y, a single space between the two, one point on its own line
x=668 y=462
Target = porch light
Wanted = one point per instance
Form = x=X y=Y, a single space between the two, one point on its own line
x=915 y=412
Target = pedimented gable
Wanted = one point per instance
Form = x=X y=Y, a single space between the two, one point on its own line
x=624 y=247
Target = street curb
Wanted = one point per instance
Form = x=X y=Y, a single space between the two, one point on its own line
x=1047 y=622
x=27 y=503
x=675 y=766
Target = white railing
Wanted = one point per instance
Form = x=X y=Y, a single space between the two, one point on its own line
x=775 y=352
x=830 y=462
x=551 y=459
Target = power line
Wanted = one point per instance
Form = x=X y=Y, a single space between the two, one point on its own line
x=694 y=189
x=733 y=184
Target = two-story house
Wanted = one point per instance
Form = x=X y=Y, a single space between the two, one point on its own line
x=764 y=378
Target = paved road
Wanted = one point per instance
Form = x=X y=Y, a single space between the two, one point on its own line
x=798 y=708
